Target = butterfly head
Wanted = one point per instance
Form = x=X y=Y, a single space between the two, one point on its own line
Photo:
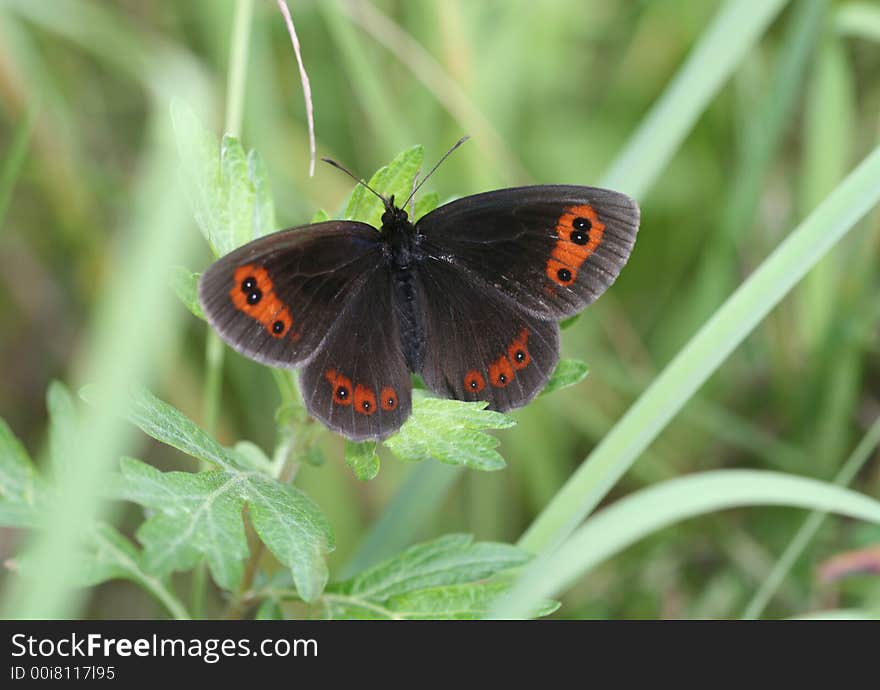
x=393 y=216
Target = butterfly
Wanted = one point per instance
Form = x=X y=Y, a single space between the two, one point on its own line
x=469 y=297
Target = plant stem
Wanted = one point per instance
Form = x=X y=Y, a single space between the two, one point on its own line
x=163 y=594
x=286 y=463
x=199 y=583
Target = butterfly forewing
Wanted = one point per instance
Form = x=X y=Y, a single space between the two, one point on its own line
x=276 y=298
x=358 y=383
x=553 y=249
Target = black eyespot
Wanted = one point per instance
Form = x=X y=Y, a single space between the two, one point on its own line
x=564 y=275
x=366 y=404
x=503 y=378
x=520 y=355
x=579 y=237
x=278 y=327
x=255 y=296
x=581 y=224
x=473 y=384
x=248 y=284
x=342 y=392
x=390 y=402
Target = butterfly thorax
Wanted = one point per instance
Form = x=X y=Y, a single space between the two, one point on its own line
x=400 y=236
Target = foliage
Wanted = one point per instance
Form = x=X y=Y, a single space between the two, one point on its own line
x=739 y=126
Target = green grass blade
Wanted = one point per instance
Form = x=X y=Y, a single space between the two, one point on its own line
x=811 y=526
x=860 y=19
x=739 y=315
x=735 y=30
x=14 y=159
x=120 y=350
x=645 y=512
x=238 y=59
x=766 y=123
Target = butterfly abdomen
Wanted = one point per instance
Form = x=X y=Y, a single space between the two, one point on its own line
x=412 y=330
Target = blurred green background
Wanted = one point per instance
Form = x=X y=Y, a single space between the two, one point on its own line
x=550 y=92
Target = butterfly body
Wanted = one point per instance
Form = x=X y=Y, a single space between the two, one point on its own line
x=469 y=297
x=403 y=254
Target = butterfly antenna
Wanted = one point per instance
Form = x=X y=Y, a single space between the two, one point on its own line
x=437 y=165
x=355 y=178
x=412 y=203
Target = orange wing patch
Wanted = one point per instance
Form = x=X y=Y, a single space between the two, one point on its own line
x=341 y=387
x=579 y=232
x=501 y=372
x=364 y=400
x=474 y=381
x=518 y=352
x=252 y=294
x=362 y=397
x=389 y=399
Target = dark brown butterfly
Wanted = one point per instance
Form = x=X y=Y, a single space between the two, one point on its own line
x=469 y=297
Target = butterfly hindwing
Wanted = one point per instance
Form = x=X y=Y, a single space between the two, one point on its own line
x=359 y=383
x=479 y=345
x=276 y=298
x=553 y=249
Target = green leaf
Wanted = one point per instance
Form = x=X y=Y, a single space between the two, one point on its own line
x=185 y=284
x=199 y=170
x=110 y=557
x=441 y=579
x=228 y=188
x=238 y=210
x=395 y=179
x=458 y=602
x=263 y=221
x=293 y=528
x=425 y=205
x=320 y=216
x=450 y=431
x=165 y=423
x=200 y=513
x=252 y=457
x=22 y=492
x=107 y=555
x=570 y=321
x=450 y=560
x=567 y=373
x=362 y=459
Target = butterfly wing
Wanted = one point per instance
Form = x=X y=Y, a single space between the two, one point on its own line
x=359 y=382
x=553 y=249
x=479 y=344
x=275 y=299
